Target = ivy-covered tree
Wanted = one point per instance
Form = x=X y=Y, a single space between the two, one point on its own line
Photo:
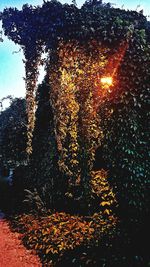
x=44 y=170
x=85 y=46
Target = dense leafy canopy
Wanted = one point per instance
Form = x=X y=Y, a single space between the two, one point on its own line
x=123 y=41
x=39 y=29
x=87 y=140
x=13 y=129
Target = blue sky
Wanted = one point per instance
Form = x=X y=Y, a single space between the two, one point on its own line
x=11 y=65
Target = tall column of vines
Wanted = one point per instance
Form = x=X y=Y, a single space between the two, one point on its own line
x=65 y=109
x=74 y=96
x=32 y=62
x=92 y=61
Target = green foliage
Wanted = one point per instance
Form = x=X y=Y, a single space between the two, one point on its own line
x=39 y=29
x=126 y=130
x=125 y=144
x=64 y=129
x=33 y=201
x=55 y=234
x=92 y=20
x=44 y=171
x=19 y=183
x=13 y=123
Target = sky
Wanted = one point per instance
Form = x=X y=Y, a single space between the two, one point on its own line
x=11 y=64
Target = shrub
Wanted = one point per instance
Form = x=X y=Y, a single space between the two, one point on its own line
x=55 y=234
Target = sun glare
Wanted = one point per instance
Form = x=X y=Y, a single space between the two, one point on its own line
x=107 y=81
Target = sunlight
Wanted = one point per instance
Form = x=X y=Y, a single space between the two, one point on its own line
x=107 y=81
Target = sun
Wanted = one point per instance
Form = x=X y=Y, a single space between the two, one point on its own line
x=107 y=81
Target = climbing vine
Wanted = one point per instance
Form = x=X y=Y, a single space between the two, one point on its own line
x=78 y=131
x=31 y=86
x=84 y=45
x=39 y=29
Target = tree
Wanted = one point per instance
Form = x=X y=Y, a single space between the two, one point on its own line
x=80 y=104
x=13 y=123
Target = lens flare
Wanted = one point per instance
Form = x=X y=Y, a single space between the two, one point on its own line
x=107 y=81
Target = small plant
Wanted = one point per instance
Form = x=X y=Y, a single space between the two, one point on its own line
x=34 y=202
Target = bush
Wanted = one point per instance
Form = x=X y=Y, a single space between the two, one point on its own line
x=55 y=234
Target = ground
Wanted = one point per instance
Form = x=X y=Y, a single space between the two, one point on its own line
x=12 y=252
